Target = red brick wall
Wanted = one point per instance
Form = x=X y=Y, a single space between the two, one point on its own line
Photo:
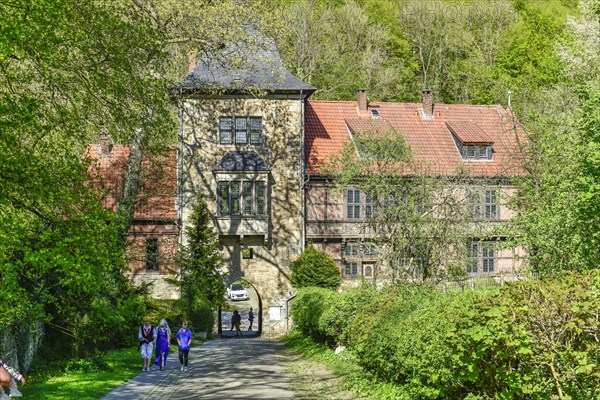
x=168 y=243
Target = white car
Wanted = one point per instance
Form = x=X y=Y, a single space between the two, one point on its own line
x=237 y=292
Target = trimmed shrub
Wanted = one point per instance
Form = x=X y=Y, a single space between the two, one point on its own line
x=315 y=268
x=532 y=340
x=401 y=338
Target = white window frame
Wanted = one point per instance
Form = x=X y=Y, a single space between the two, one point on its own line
x=351 y=269
x=483 y=257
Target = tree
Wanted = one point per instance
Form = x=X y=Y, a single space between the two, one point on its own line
x=339 y=48
x=418 y=219
x=68 y=69
x=316 y=268
x=201 y=262
x=557 y=218
x=71 y=70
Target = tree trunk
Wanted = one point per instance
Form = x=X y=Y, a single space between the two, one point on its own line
x=131 y=186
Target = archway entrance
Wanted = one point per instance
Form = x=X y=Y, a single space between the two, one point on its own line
x=241 y=296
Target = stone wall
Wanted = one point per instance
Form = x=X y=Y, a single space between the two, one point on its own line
x=268 y=269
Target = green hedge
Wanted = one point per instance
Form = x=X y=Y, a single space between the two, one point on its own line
x=526 y=340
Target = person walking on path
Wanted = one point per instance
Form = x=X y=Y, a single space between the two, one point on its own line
x=250 y=318
x=236 y=320
x=147 y=336
x=163 y=341
x=8 y=378
x=184 y=340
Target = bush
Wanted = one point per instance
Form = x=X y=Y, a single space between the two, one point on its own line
x=526 y=340
x=307 y=308
x=314 y=268
x=400 y=337
x=533 y=340
x=342 y=311
x=201 y=317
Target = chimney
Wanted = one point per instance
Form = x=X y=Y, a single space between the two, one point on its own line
x=427 y=100
x=362 y=101
x=191 y=62
x=105 y=144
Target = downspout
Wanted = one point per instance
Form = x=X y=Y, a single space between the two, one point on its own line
x=301 y=175
x=179 y=201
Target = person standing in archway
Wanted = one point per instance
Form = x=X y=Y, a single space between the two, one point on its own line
x=250 y=318
x=236 y=320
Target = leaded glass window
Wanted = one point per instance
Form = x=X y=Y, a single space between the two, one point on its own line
x=226 y=130
x=255 y=130
x=247 y=197
x=235 y=198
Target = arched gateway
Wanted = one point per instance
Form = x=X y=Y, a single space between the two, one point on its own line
x=243 y=153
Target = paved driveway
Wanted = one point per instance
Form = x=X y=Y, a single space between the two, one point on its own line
x=245 y=368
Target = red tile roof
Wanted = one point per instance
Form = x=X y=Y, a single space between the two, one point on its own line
x=158 y=182
x=328 y=122
x=468 y=132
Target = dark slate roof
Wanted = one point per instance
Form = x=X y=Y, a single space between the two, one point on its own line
x=241 y=161
x=262 y=69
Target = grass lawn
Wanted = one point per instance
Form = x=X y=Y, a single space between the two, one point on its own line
x=81 y=384
x=323 y=375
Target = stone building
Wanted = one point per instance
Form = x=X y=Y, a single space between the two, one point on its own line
x=253 y=145
x=243 y=153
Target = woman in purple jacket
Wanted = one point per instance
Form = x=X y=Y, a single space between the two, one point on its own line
x=184 y=339
x=163 y=340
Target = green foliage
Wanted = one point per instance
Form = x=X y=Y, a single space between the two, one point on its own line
x=201 y=317
x=339 y=46
x=70 y=71
x=530 y=339
x=509 y=344
x=314 y=267
x=200 y=263
x=400 y=339
x=307 y=308
x=343 y=311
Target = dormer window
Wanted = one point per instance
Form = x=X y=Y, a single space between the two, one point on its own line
x=476 y=152
x=471 y=141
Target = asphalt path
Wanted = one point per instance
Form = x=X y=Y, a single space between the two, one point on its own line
x=235 y=368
